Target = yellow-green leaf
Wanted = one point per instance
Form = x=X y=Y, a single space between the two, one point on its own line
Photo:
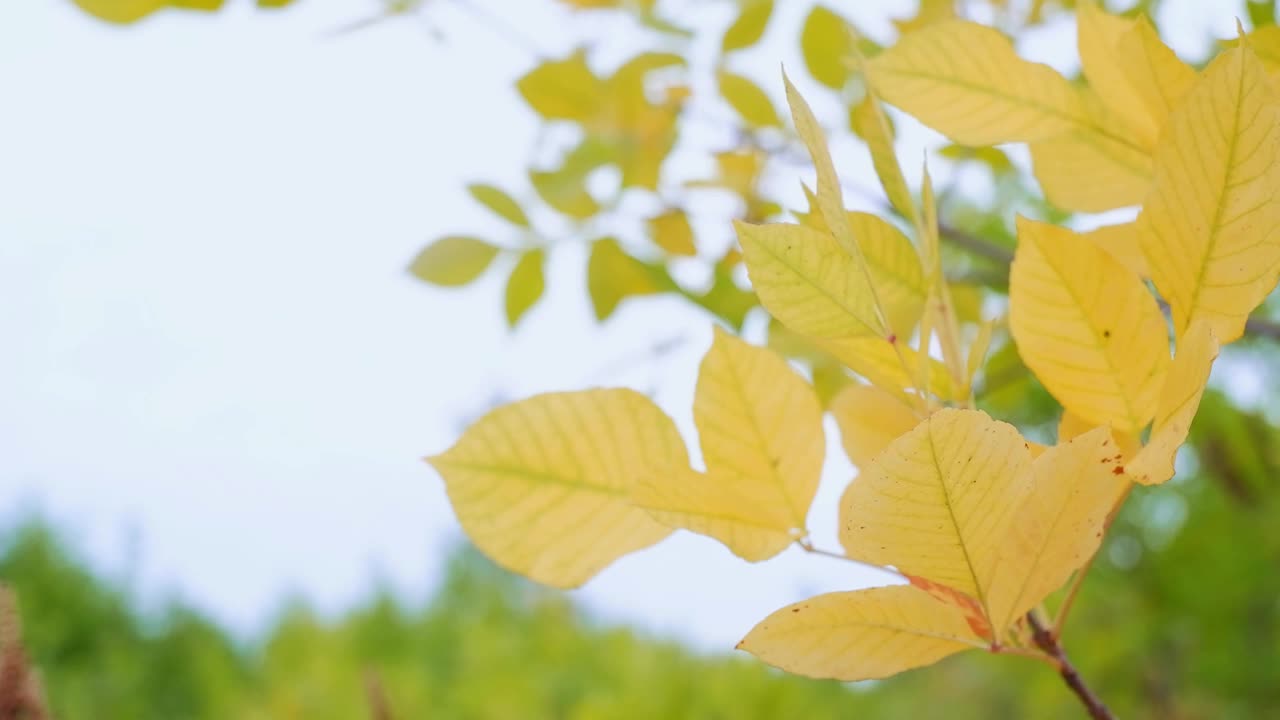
x=869 y=419
x=671 y=232
x=892 y=262
x=749 y=26
x=1074 y=487
x=525 y=285
x=825 y=44
x=860 y=635
x=938 y=502
x=965 y=81
x=747 y=99
x=500 y=203
x=563 y=89
x=871 y=123
x=1087 y=327
x=760 y=427
x=806 y=280
x=1265 y=41
x=1209 y=226
x=453 y=261
x=613 y=276
x=121 y=11
x=543 y=485
x=1179 y=401
x=564 y=191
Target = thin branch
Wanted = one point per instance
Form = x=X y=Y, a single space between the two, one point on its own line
x=1047 y=642
x=1262 y=328
x=975 y=245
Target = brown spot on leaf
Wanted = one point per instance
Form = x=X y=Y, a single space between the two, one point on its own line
x=1119 y=470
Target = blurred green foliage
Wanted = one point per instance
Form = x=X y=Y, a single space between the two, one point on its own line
x=1181 y=619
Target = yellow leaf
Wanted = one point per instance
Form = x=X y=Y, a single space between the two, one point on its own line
x=671 y=232
x=860 y=635
x=825 y=43
x=1093 y=167
x=1097 y=38
x=563 y=89
x=878 y=361
x=499 y=202
x=749 y=27
x=807 y=281
x=760 y=427
x=1209 y=226
x=525 y=285
x=453 y=261
x=892 y=264
x=1156 y=74
x=938 y=502
x=1121 y=243
x=869 y=419
x=1072 y=426
x=965 y=81
x=1087 y=327
x=894 y=267
x=1179 y=401
x=927 y=13
x=543 y=485
x=747 y=99
x=1074 y=487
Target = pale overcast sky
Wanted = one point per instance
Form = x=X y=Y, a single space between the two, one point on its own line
x=218 y=378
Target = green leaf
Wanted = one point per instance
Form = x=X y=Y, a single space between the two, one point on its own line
x=499 y=202
x=748 y=99
x=525 y=286
x=749 y=27
x=613 y=276
x=825 y=43
x=565 y=189
x=453 y=261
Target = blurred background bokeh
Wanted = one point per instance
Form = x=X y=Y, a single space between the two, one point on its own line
x=224 y=357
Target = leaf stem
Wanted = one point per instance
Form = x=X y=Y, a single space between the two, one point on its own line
x=1047 y=642
x=807 y=545
x=1026 y=653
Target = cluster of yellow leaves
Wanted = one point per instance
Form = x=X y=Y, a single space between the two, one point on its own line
x=982 y=524
x=1091 y=145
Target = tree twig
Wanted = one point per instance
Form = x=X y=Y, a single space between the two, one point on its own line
x=1045 y=640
